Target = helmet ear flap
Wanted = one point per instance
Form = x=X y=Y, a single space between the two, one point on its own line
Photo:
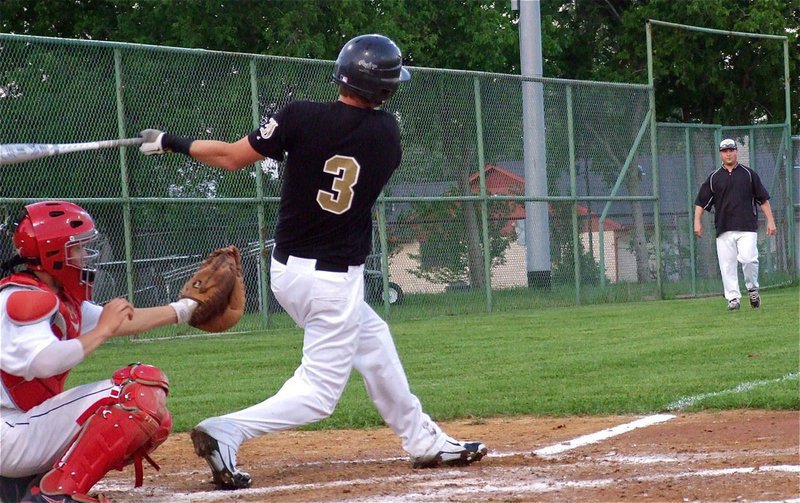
x=25 y=240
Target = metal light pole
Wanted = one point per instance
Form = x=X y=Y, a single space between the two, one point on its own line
x=537 y=227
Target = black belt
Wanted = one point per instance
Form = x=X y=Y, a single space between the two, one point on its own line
x=321 y=265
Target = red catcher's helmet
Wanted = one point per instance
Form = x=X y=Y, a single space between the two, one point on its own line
x=51 y=237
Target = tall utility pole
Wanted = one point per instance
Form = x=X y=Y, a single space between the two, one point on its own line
x=537 y=226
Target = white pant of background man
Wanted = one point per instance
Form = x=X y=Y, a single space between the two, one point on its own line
x=733 y=248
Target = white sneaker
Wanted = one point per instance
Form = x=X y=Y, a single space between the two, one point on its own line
x=454 y=453
x=733 y=305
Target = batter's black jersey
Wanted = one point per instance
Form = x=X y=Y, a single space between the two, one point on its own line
x=735 y=197
x=338 y=158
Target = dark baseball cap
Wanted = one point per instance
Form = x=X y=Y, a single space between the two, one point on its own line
x=727 y=144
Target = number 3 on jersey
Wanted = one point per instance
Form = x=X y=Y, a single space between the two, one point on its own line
x=345 y=171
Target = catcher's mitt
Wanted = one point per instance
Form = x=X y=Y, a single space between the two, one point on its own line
x=218 y=288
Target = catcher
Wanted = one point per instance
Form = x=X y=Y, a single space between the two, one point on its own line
x=56 y=443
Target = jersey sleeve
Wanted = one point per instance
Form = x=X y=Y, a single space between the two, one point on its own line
x=705 y=197
x=272 y=136
x=90 y=315
x=57 y=358
x=759 y=191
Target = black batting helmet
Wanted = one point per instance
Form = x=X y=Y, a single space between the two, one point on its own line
x=371 y=66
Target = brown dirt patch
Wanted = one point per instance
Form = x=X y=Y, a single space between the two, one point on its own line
x=719 y=456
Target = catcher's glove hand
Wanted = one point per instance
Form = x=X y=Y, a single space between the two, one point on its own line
x=218 y=288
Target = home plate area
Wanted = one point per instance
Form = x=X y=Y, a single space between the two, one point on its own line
x=743 y=455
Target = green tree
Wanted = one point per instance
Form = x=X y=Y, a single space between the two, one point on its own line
x=444 y=237
x=562 y=249
x=700 y=78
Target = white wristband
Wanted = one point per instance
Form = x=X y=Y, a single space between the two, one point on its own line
x=184 y=309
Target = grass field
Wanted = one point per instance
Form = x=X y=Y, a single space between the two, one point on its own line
x=600 y=359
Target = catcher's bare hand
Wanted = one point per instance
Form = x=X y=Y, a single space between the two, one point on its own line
x=218 y=288
x=114 y=314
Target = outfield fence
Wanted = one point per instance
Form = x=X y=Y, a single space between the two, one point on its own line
x=450 y=227
x=796 y=197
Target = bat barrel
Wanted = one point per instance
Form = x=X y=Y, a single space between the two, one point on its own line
x=21 y=152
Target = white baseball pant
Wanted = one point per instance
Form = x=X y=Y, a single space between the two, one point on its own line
x=733 y=248
x=32 y=441
x=342 y=332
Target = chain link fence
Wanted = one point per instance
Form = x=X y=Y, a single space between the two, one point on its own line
x=450 y=228
x=796 y=197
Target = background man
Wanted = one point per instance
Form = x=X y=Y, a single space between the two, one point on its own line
x=735 y=192
x=340 y=156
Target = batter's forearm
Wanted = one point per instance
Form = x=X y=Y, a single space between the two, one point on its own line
x=213 y=153
x=227 y=156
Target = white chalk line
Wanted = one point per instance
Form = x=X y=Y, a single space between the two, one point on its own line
x=612 y=457
x=443 y=490
x=211 y=495
x=739 y=388
x=449 y=484
x=593 y=438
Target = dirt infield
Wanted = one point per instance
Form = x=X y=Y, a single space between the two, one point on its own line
x=724 y=456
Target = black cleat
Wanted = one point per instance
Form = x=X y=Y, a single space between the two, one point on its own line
x=221 y=458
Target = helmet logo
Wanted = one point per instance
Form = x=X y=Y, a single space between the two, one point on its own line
x=367 y=64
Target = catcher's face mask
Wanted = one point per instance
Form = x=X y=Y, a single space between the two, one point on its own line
x=81 y=257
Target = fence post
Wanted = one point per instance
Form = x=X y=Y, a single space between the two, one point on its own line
x=263 y=281
x=123 y=176
x=573 y=191
x=487 y=244
x=384 y=240
x=754 y=164
x=654 y=155
x=690 y=205
x=790 y=210
x=789 y=162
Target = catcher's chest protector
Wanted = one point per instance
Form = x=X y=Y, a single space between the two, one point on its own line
x=65 y=323
x=121 y=431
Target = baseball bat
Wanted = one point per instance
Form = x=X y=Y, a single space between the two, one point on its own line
x=21 y=152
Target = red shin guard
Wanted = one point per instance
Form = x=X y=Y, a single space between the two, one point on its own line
x=116 y=435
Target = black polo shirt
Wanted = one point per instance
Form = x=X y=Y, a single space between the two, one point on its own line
x=338 y=158
x=734 y=196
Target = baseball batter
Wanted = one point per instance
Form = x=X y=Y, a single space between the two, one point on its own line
x=735 y=192
x=339 y=156
x=57 y=443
